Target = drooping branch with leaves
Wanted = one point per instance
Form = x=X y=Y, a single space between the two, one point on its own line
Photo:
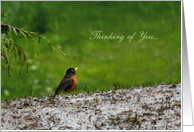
x=11 y=50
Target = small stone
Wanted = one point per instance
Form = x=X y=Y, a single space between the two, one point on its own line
x=98 y=125
x=26 y=103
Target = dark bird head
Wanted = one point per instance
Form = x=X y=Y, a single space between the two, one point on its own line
x=71 y=71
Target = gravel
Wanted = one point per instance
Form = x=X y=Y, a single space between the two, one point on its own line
x=140 y=108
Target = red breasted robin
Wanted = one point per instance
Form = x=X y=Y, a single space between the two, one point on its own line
x=68 y=84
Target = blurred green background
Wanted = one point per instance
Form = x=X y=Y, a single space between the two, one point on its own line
x=101 y=62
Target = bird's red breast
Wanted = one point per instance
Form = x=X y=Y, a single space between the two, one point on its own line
x=74 y=84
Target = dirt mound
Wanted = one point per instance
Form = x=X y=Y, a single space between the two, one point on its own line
x=145 y=108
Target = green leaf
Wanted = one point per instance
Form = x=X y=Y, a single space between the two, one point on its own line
x=25 y=36
x=15 y=31
x=9 y=71
x=39 y=39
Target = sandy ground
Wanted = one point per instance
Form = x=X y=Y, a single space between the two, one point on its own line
x=143 y=108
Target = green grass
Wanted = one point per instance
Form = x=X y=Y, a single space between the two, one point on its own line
x=101 y=63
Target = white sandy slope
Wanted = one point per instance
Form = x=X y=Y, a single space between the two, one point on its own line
x=145 y=108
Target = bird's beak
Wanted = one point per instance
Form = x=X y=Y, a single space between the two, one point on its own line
x=76 y=68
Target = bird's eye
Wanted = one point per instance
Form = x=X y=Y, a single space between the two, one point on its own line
x=72 y=70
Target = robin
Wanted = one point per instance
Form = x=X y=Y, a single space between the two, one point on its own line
x=68 y=84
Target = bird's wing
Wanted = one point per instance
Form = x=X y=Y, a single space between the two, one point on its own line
x=65 y=85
